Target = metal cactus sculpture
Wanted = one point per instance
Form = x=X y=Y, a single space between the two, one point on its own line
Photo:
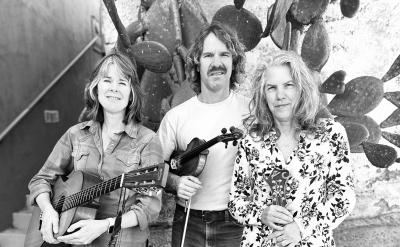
x=165 y=29
x=287 y=20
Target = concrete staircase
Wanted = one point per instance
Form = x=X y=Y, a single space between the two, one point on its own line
x=15 y=237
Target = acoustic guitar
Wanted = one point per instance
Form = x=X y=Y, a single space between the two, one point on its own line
x=73 y=194
x=192 y=161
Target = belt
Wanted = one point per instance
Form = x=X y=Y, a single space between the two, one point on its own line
x=208 y=216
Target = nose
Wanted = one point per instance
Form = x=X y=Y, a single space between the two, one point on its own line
x=280 y=93
x=217 y=61
x=113 y=86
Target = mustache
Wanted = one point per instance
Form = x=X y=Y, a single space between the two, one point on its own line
x=216 y=68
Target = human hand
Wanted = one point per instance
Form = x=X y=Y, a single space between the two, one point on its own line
x=289 y=236
x=49 y=227
x=274 y=216
x=188 y=186
x=88 y=231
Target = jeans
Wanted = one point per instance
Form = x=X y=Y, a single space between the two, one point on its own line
x=206 y=229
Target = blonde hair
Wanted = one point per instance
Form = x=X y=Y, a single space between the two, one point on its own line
x=261 y=121
x=93 y=109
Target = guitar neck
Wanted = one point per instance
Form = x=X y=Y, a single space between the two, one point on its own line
x=195 y=151
x=89 y=194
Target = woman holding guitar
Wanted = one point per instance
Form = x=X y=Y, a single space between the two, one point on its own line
x=292 y=181
x=112 y=142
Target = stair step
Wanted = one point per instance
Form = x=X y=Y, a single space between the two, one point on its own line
x=12 y=238
x=21 y=219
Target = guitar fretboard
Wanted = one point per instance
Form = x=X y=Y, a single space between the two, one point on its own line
x=88 y=194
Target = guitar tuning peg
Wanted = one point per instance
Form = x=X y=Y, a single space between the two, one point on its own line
x=232 y=129
x=226 y=144
x=234 y=143
x=224 y=131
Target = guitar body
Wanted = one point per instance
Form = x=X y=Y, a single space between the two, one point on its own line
x=64 y=187
x=192 y=166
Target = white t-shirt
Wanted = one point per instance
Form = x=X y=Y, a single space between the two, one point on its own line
x=196 y=119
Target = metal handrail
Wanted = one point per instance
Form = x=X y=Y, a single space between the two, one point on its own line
x=45 y=90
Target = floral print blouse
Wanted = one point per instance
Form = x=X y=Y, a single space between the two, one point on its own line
x=315 y=184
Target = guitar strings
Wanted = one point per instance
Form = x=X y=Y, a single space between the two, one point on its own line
x=93 y=191
x=86 y=194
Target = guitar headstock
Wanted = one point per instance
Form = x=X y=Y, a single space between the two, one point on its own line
x=234 y=135
x=152 y=176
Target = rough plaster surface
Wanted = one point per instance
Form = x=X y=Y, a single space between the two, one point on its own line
x=366 y=44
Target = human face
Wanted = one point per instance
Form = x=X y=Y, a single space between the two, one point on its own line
x=114 y=90
x=215 y=65
x=281 y=92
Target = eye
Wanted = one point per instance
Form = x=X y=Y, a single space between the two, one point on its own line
x=123 y=83
x=290 y=84
x=106 y=80
x=270 y=88
x=206 y=55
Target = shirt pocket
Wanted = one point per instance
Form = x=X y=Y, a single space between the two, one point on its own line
x=80 y=158
x=129 y=160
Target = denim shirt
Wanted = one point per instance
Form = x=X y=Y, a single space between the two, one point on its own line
x=80 y=148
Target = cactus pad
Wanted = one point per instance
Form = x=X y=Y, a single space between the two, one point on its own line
x=393 y=71
x=334 y=84
x=392 y=120
x=360 y=96
x=356 y=133
x=316 y=46
x=374 y=131
x=349 y=7
x=379 y=155
x=304 y=11
x=393 y=97
x=246 y=24
x=392 y=138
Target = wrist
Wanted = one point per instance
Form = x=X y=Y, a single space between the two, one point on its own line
x=110 y=224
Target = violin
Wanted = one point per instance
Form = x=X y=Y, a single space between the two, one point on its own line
x=192 y=161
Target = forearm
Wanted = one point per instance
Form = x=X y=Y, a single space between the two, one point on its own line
x=43 y=201
x=172 y=183
x=129 y=219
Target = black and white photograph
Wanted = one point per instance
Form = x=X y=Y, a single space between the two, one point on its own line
x=200 y=123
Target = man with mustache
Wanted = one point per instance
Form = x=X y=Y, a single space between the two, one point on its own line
x=214 y=65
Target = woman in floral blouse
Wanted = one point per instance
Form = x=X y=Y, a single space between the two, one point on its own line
x=292 y=182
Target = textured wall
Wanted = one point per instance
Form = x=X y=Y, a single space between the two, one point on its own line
x=34 y=48
x=366 y=44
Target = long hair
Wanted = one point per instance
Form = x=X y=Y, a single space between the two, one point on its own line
x=93 y=108
x=261 y=120
x=226 y=36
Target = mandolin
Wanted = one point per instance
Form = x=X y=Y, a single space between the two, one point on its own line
x=192 y=161
x=277 y=182
x=73 y=194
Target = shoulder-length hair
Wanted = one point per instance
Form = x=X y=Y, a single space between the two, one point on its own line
x=261 y=121
x=226 y=36
x=93 y=108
